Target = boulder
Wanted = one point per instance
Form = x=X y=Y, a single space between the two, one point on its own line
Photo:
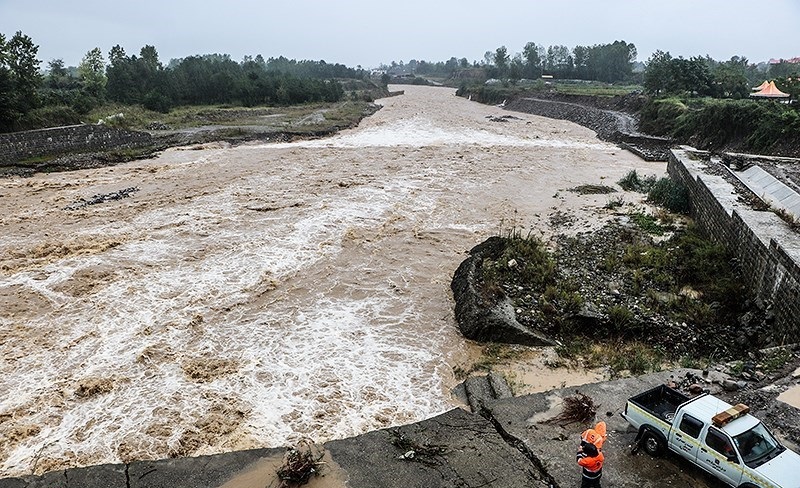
x=483 y=319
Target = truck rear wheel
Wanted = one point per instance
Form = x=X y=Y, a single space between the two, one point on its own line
x=652 y=444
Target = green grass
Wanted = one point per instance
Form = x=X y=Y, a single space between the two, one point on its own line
x=338 y=114
x=647 y=223
x=35 y=160
x=596 y=89
x=495 y=353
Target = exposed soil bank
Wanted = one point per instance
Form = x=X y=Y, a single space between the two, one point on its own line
x=45 y=156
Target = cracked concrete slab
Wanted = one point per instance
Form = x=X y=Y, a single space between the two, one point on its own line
x=474 y=455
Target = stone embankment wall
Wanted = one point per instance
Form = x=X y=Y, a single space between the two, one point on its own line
x=768 y=251
x=610 y=125
x=19 y=146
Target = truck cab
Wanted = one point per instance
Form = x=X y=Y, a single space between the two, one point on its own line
x=724 y=440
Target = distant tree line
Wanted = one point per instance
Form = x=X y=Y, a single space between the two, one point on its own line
x=217 y=79
x=601 y=62
x=702 y=76
x=30 y=98
x=661 y=75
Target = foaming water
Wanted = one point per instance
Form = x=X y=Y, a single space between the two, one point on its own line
x=170 y=337
x=421 y=131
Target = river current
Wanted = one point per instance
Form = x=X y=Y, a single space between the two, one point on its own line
x=249 y=296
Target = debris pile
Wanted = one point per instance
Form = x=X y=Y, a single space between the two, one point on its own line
x=102 y=198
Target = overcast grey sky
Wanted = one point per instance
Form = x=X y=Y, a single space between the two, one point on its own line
x=369 y=33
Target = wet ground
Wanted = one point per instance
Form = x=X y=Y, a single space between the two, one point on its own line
x=248 y=296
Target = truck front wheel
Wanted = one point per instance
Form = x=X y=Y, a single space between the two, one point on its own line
x=652 y=444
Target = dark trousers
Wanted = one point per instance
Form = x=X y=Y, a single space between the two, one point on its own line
x=590 y=483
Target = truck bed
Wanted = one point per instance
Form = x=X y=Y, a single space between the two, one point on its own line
x=661 y=401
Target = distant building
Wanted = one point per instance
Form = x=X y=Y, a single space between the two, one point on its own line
x=778 y=61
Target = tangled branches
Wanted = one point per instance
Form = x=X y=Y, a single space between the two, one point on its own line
x=577 y=408
x=424 y=453
x=300 y=464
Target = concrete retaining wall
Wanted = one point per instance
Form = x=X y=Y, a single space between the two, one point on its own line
x=18 y=146
x=768 y=251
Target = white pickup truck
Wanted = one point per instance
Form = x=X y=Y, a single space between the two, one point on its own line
x=722 y=439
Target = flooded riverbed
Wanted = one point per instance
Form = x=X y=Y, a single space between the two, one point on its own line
x=249 y=296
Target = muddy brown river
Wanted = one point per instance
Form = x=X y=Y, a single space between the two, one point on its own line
x=250 y=296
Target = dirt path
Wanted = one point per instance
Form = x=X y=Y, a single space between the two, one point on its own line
x=249 y=296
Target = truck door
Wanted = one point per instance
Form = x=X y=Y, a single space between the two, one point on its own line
x=719 y=457
x=685 y=438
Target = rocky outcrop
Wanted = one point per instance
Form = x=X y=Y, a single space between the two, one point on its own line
x=482 y=319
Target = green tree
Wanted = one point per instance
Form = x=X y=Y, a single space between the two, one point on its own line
x=533 y=60
x=19 y=79
x=91 y=72
x=730 y=78
x=657 y=72
x=559 y=61
x=25 y=70
x=783 y=69
x=501 y=59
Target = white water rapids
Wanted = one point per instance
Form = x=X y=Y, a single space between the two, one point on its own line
x=250 y=296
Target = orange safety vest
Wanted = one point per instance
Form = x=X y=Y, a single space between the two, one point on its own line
x=592 y=466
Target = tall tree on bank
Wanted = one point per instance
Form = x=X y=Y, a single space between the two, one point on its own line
x=91 y=72
x=666 y=75
x=501 y=59
x=19 y=78
x=532 y=54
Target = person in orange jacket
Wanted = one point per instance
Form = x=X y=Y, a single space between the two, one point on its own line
x=590 y=456
x=591 y=460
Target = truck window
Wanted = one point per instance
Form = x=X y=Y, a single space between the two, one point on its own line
x=719 y=442
x=691 y=426
x=757 y=446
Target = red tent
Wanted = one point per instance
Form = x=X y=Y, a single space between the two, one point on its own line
x=761 y=86
x=770 y=91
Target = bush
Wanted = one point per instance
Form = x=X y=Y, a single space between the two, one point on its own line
x=157 y=102
x=632 y=182
x=660 y=117
x=50 y=116
x=619 y=318
x=670 y=194
x=535 y=266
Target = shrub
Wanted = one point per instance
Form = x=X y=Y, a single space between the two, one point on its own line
x=647 y=223
x=632 y=182
x=619 y=317
x=670 y=194
x=659 y=117
x=535 y=266
x=49 y=116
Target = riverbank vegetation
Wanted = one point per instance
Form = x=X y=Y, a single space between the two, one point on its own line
x=61 y=95
x=631 y=295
